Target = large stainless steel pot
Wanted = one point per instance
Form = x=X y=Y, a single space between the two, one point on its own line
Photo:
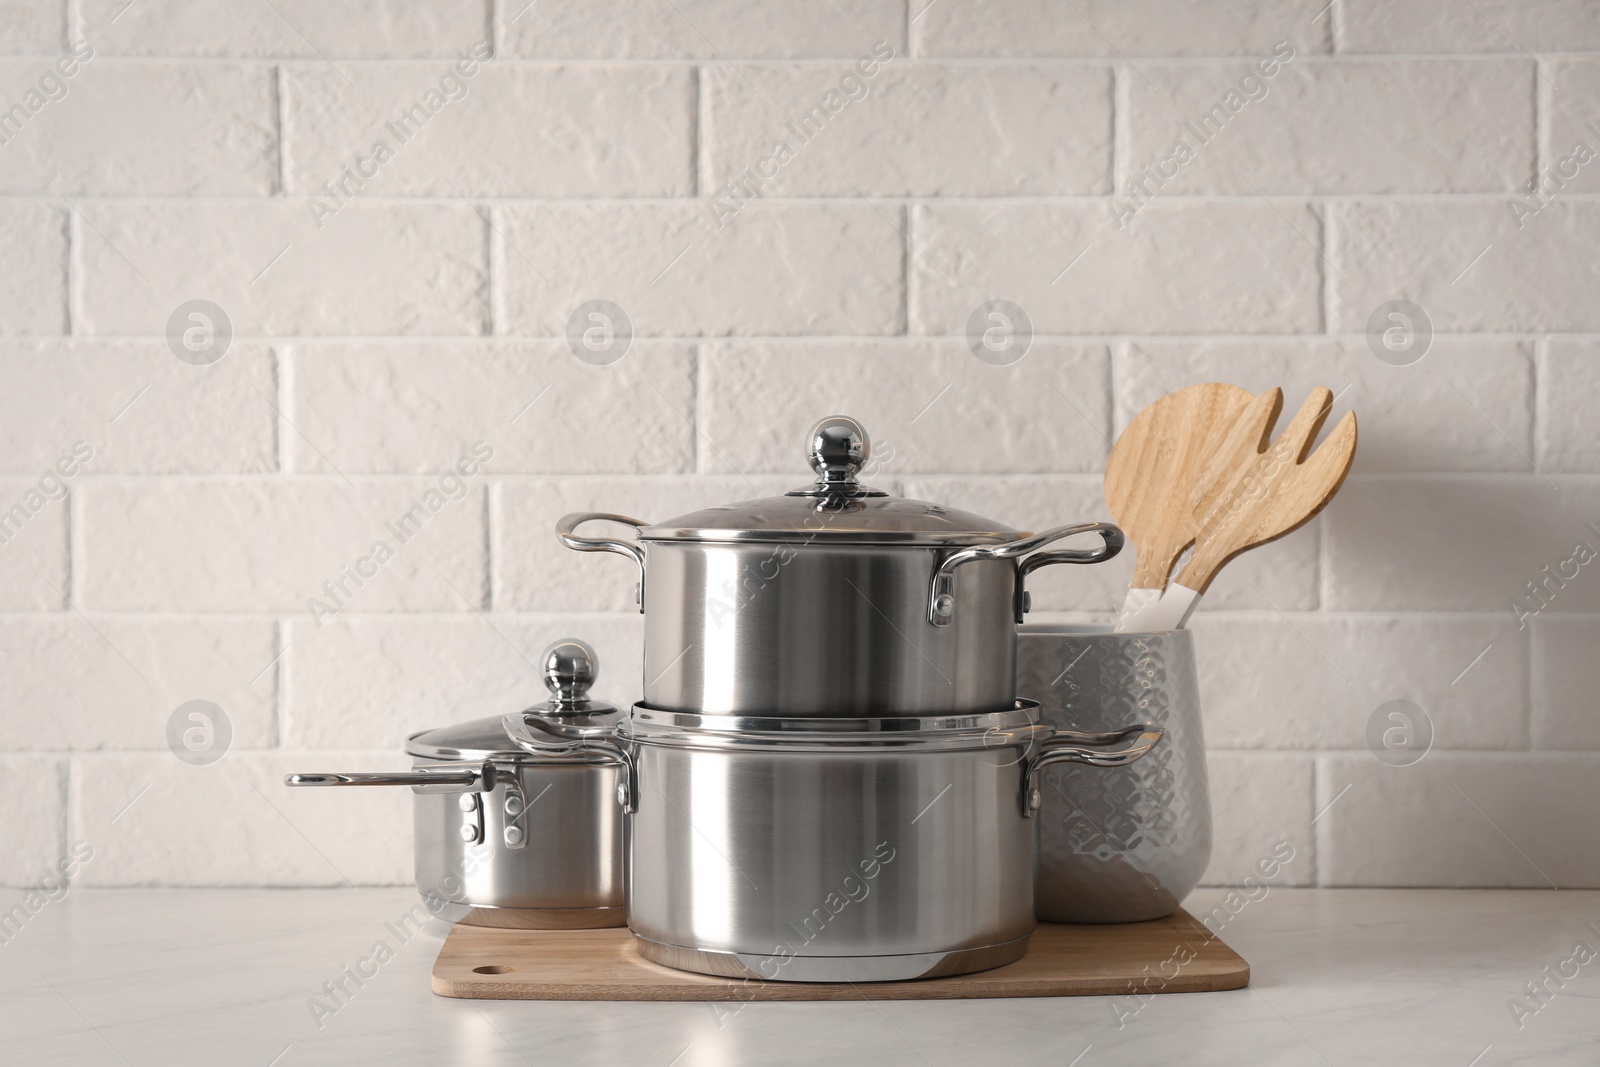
x=512 y=838
x=833 y=600
x=831 y=850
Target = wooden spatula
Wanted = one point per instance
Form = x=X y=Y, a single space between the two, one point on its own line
x=1154 y=467
x=1249 y=492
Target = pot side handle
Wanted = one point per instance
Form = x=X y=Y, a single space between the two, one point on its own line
x=631 y=549
x=1094 y=749
x=941 y=602
x=540 y=737
x=441 y=778
x=1111 y=535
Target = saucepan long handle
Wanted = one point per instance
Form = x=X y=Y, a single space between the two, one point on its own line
x=443 y=778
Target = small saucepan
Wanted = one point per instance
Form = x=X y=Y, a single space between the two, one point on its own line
x=510 y=838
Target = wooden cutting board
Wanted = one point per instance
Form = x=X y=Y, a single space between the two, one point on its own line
x=1172 y=955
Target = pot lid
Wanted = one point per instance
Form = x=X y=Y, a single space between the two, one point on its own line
x=981 y=731
x=836 y=508
x=479 y=739
x=569 y=668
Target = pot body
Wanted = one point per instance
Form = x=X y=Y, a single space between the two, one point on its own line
x=1122 y=844
x=844 y=862
x=819 y=630
x=508 y=837
x=543 y=849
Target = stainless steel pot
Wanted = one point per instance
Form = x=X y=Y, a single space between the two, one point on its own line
x=833 y=600
x=833 y=850
x=507 y=837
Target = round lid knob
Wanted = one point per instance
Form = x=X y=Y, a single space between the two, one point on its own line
x=570 y=667
x=837 y=448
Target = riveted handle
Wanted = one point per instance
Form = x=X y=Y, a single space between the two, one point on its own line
x=542 y=737
x=566 y=526
x=1093 y=749
x=941 y=599
x=1112 y=539
x=439 y=778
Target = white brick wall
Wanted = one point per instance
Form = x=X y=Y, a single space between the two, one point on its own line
x=391 y=308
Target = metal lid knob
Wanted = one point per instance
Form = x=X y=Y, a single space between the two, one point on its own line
x=570 y=667
x=837 y=449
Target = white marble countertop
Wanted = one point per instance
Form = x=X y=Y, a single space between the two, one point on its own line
x=1415 y=977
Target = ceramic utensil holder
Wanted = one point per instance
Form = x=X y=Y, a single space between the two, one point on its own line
x=1123 y=844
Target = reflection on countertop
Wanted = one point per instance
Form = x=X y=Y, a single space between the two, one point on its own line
x=295 y=977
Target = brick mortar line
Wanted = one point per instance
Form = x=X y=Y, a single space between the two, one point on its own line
x=1583 y=755
x=103 y=58
x=281 y=680
x=1539 y=754
x=69 y=788
x=1540 y=106
x=908 y=271
x=1325 y=264
x=493 y=259
x=1121 y=127
x=1316 y=844
x=72 y=755
x=1537 y=378
x=73 y=534
x=1487 y=198
x=1323 y=569
x=282 y=387
x=283 y=368
x=85 y=752
x=697 y=390
x=297 y=615
x=690 y=477
x=145 y=885
x=699 y=150
x=1116 y=353
x=491 y=558
x=280 y=114
x=513 y=614
x=72 y=273
x=788 y=338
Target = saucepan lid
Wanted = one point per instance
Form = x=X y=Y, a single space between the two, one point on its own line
x=569 y=667
x=836 y=508
x=1017 y=725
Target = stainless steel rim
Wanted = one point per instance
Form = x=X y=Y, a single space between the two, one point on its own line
x=820 y=536
x=1017 y=725
x=890 y=968
x=510 y=758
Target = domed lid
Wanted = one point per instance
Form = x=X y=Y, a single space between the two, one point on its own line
x=569 y=667
x=478 y=739
x=836 y=508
